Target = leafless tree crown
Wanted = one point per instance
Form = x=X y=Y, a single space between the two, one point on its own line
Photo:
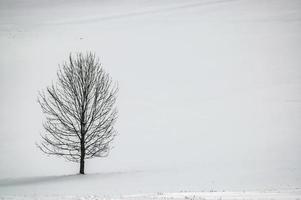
x=80 y=110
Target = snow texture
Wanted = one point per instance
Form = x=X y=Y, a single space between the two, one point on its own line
x=209 y=97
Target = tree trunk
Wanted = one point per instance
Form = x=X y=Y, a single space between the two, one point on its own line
x=82 y=158
x=82 y=141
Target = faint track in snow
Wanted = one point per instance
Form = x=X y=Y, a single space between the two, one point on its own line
x=141 y=13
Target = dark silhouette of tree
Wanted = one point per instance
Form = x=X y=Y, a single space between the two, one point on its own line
x=80 y=111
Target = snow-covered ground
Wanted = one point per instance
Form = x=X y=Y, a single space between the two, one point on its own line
x=169 y=196
x=209 y=97
x=126 y=185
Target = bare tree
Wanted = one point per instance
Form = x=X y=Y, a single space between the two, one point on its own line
x=80 y=111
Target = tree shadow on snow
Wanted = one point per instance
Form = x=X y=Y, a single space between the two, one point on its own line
x=62 y=178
